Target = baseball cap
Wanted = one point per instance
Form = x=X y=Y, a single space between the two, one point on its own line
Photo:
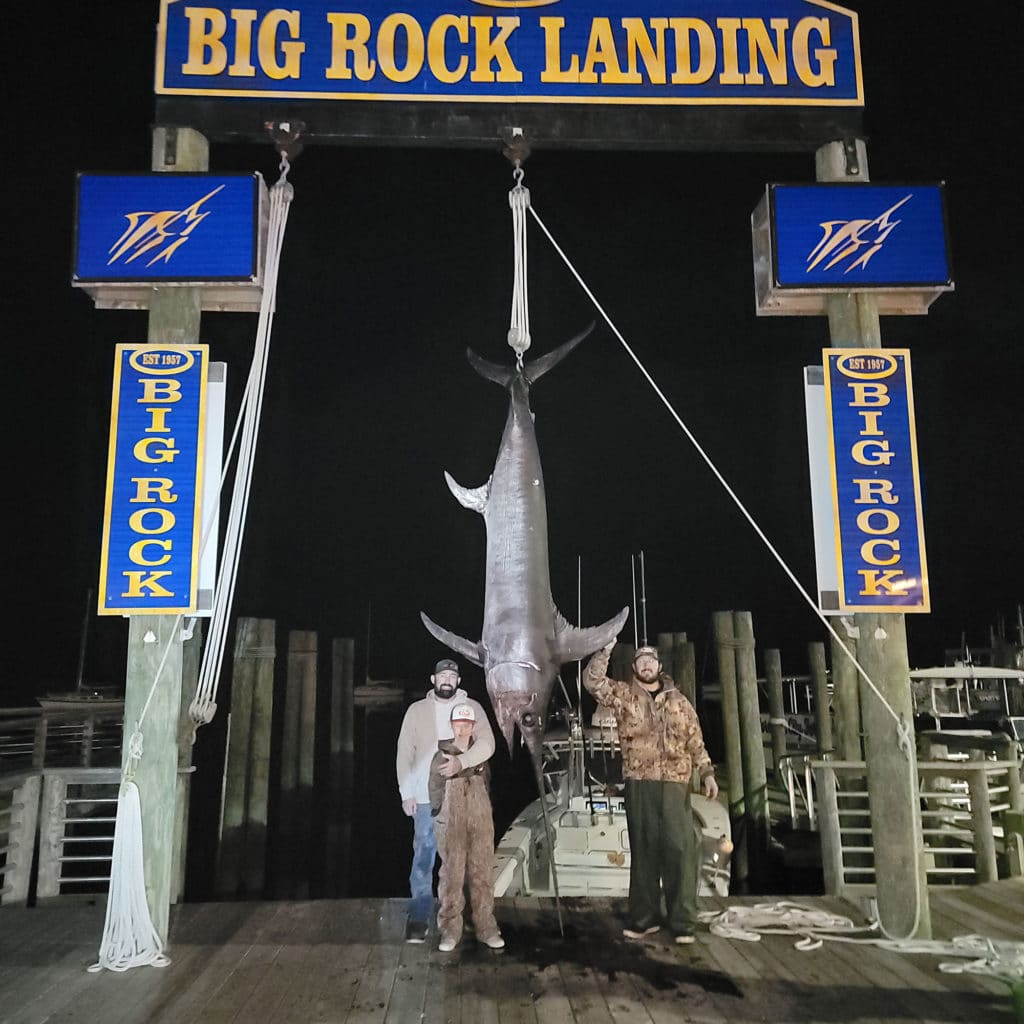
x=647 y=652
x=446 y=665
x=463 y=713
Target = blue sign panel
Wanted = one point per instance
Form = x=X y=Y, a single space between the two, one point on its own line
x=149 y=561
x=804 y=52
x=167 y=227
x=875 y=486
x=859 y=236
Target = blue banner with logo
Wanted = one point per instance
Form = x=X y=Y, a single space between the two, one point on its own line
x=167 y=227
x=838 y=236
x=875 y=483
x=804 y=52
x=149 y=561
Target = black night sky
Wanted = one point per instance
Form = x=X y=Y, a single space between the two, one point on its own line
x=397 y=259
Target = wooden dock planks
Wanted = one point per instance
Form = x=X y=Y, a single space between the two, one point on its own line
x=345 y=962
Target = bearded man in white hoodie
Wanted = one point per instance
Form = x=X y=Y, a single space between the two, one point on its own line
x=425 y=723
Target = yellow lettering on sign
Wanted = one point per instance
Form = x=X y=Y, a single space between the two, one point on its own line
x=267 y=45
x=489 y=50
x=242 y=66
x=437 y=42
x=874 y=491
x=165 y=520
x=414 y=45
x=760 y=48
x=872 y=453
x=825 y=58
x=867 y=551
x=136 y=555
x=866 y=521
x=601 y=50
x=875 y=582
x=349 y=34
x=141 y=582
x=639 y=44
x=158 y=420
x=207 y=54
x=685 y=73
x=155 y=449
x=149 y=489
x=159 y=389
x=868 y=394
x=553 y=54
x=729 y=27
x=870 y=427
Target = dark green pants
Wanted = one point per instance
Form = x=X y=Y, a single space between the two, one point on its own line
x=662 y=854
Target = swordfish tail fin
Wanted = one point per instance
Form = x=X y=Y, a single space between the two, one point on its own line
x=503 y=375
x=574 y=644
x=459 y=644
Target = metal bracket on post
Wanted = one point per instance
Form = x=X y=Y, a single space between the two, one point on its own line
x=850 y=157
x=286 y=136
x=516 y=145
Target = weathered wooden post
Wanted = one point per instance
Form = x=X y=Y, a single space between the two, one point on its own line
x=685 y=666
x=776 y=712
x=191 y=660
x=845 y=698
x=755 y=779
x=339 y=826
x=666 y=651
x=263 y=651
x=297 y=764
x=819 y=681
x=902 y=885
x=724 y=648
x=174 y=315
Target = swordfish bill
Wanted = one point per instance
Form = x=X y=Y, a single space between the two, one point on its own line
x=525 y=639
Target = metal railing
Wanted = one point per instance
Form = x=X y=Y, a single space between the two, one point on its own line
x=965 y=834
x=44 y=738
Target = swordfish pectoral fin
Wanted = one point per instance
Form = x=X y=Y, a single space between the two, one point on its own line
x=573 y=643
x=474 y=498
x=459 y=644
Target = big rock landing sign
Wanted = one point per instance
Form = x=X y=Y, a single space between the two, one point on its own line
x=598 y=63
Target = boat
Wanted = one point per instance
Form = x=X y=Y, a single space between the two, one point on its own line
x=585 y=844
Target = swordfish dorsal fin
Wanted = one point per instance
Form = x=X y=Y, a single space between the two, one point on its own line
x=459 y=644
x=573 y=643
x=474 y=498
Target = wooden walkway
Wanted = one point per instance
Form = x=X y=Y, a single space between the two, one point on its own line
x=345 y=961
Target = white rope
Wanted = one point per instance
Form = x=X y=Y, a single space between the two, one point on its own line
x=519 y=322
x=904 y=731
x=246 y=432
x=129 y=938
x=995 y=958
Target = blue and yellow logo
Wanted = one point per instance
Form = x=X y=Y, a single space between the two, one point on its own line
x=167 y=227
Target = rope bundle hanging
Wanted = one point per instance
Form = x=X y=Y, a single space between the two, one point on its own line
x=519 y=323
x=204 y=705
x=129 y=936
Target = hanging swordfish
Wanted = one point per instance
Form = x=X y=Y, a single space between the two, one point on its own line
x=525 y=639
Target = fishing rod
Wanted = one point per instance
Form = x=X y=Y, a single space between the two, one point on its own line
x=643 y=596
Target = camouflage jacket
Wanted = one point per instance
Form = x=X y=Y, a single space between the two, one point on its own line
x=660 y=736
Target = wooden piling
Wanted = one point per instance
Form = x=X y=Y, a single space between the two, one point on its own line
x=845 y=698
x=297 y=765
x=724 y=648
x=902 y=887
x=263 y=652
x=776 y=712
x=755 y=779
x=684 y=661
x=341 y=774
x=191 y=660
x=666 y=651
x=822 y=704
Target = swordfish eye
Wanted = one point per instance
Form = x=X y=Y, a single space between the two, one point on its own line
x=529 y=720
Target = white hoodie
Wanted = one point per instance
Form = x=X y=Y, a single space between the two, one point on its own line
x=426 y=722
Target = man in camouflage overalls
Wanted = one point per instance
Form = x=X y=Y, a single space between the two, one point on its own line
x=662 y=746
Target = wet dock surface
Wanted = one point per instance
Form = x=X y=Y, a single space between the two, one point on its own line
x=346 y=961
